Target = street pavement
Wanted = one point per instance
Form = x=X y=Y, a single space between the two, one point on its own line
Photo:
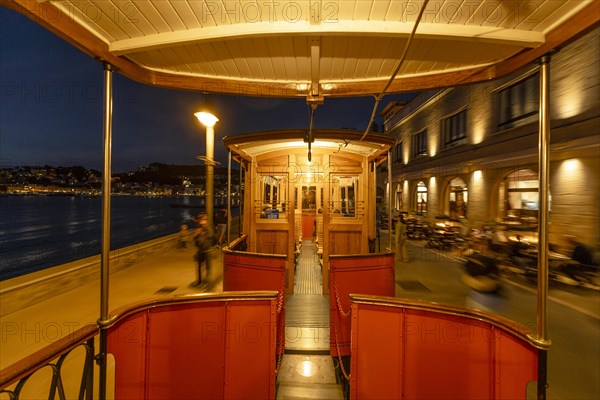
x=573 y=315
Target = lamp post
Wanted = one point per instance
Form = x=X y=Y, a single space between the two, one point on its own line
x=209 y=120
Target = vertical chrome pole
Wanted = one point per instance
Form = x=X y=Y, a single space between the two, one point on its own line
x=389 y=198
x=210 y=198
x=229 y=198
x=544 y=185
x=210 y=175
x=242 y=193
x=105 y=252
x=374 y=200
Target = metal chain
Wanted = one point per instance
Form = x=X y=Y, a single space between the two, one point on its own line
x=337 y=345
x=280 y=295
x=339 y=303
x=281 y=346
x=335 y=333
x=280 y=307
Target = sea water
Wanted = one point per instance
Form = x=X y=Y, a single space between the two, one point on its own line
x=38 y=232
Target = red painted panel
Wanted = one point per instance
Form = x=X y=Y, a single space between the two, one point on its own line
x=253 y=272
x=517 y=366
x=250 y=352
x=127 y=342
x=308 y=225
x=447 y=357
x=424 y=354
x=375 y=352
x=248 y=271
x=364 y=274
x=186 y=352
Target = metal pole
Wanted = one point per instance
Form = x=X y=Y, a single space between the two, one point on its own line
x=210 y=188
x=105 y=250
x=229 y=198
x=389 y=159
x=210 y=174
x=544 y=184
x=374 y=200
x=242 y=193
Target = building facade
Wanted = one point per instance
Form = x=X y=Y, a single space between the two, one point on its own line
x=471 y=152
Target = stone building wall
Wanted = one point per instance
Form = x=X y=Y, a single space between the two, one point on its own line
x=490 y=155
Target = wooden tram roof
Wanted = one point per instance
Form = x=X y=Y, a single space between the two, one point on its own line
x=312 y=48
x=372 y=146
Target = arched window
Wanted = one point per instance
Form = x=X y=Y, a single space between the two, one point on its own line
x=458 y=197
x=421 y=198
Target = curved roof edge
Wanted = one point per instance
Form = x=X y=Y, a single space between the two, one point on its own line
x=54 y=19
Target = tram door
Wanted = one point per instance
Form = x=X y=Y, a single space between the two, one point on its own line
x=309 y=211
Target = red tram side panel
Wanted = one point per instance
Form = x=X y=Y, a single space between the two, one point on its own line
x=417 y=354
x=196 y=350
x=357 y=274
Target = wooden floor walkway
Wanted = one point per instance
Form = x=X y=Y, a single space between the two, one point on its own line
x=307 y=369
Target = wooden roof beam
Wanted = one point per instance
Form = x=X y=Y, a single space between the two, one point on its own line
x=511 y=37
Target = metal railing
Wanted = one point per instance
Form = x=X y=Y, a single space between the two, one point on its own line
x=14 y=379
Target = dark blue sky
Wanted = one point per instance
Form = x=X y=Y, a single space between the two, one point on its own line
x=51 y=109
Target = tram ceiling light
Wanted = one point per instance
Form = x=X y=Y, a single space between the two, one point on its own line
x=207 y=119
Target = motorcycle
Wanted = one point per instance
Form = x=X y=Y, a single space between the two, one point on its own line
x=481 y=272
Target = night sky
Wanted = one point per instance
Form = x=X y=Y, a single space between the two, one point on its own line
x=51 y=106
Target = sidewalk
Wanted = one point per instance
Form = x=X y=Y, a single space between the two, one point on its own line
x=165 y=274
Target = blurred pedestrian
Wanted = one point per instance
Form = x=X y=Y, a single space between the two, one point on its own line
x=401 y=239
x=204 y=241
x=221 y=221
x=183 y=237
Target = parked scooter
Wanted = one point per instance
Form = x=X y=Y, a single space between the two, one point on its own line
x=481 y=272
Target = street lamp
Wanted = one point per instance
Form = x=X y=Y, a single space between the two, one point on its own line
x=209 y=120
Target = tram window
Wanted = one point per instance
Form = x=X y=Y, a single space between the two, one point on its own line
x=344 y=195
x=309 y=197
x=274 y=191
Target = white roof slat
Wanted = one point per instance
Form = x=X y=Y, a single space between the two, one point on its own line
x=152 y=16
x=326 y=59
x=172 y=60
x=88 y=18
x=139 y=15
x=460 y=13
x=502 y=14
x=209 y=13
x=261 y=49
x=550 y=14
x=378 y=53
x=274 y=46
x=186 y=14
x=289 y=57
x=362 y=11
x=119 y=17
x=484 y=10
x=240 y=56
x=189 y=61
x=343 y=8
x=363 y=64
x=169 y=14
x=379 y=10
x=303 y=60
x=394 y=11
x=338 y=52
x=214 y=58
x=202 y=62
x=227 y=59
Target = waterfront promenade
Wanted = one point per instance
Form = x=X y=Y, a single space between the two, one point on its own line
x=164 y=273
